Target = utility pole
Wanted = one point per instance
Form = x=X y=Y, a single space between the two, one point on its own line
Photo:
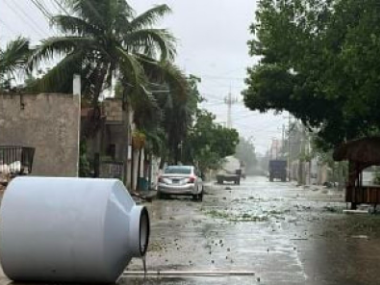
x=229 y=101
x=302 y=178
x=288 y=146
x=276 y=142
x=283 y=141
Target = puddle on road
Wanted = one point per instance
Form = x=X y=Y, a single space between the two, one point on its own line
x=191 y=281
x=235 y=216
x=144 y=265
x=278 y=232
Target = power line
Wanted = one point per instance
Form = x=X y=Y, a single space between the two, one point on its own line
x=214 y=104
x=211 y=96
x=42 y=9
x=7 y=27
x=60 y=6
x=251 y=115
x=265 y=126
x=222 y=77
x=24 y=16
x=45 y=12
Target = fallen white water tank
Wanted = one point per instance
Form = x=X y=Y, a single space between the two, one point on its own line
x=70 y=230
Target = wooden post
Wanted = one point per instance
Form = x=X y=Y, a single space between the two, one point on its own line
x=132 y=166
x=139 y=168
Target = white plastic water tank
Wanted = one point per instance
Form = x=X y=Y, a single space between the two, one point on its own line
x=70 y=230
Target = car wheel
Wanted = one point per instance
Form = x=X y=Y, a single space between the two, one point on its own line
x=160 y=195
x=200 y=196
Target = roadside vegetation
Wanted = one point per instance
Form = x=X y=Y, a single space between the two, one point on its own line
x=117 y=51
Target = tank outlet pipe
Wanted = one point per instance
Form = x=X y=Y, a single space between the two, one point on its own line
x=70 y=230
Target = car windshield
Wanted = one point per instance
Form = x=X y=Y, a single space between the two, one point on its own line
x=178 y=170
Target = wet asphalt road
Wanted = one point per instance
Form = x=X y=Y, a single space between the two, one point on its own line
x=276 y=233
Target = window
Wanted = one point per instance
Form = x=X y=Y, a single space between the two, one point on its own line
x=178 y=170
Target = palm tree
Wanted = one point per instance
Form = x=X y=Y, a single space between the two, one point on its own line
x=12 y=59
x=102 y=40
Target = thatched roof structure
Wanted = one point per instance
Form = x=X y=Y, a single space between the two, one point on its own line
x=365 y=151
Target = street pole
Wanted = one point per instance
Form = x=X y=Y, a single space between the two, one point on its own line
x=276 y=142
x=229 y=101
x=283 y=141
x=300 y=166
x=289 y=149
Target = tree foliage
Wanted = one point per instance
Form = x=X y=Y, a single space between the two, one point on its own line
x=245 y=152
x=320 y=61
x=12 y=60
x=103 y=40
x=208 y=143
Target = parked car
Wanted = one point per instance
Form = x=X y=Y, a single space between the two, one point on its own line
x=180 y=180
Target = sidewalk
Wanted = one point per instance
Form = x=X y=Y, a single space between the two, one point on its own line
x=144 y=196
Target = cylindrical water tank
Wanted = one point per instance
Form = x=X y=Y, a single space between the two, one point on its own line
x=70 y=230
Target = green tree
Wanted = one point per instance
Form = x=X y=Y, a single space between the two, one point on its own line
x=103 y=40
x=208 y=143
x=173 y=117
x=179 y=116
x=318 y=60
x=12 y=60
x=245 y=152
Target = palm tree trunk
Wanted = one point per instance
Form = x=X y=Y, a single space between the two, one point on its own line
x=162 y=162
x=99 y=86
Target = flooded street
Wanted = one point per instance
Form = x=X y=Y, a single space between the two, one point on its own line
x=261 y=233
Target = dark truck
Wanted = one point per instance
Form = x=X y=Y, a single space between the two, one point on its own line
x=277 y=169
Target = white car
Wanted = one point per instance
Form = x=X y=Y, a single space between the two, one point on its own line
x=180 y=180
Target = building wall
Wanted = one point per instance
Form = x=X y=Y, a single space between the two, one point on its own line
x=116 y=135
x=47 y=122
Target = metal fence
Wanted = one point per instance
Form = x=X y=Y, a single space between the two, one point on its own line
x=16 y=160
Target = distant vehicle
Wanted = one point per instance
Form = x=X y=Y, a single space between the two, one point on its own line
x=277 y=169
x=180 y=180
x=231 y=171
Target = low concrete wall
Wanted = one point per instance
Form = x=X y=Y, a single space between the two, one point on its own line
x=47 y=122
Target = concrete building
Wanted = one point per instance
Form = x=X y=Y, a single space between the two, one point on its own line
x=47 y=122
x=111 y=142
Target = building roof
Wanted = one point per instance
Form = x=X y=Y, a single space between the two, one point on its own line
x=365 y=150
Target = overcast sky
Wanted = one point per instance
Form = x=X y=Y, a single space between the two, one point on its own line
x=212 y=37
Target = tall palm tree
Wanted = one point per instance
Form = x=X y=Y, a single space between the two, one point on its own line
x=102 y=40
x=12 y=59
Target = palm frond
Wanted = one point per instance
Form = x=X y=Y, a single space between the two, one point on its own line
x=102 y=13
x=149 y=17
x=74 y=25
x=120 y=15
x=131 y=70
x=58 y=46
x=59 y=78
x=90 y=10
x=152 y=42
x=14 y=56
x=155 y=140
x=165 y=71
